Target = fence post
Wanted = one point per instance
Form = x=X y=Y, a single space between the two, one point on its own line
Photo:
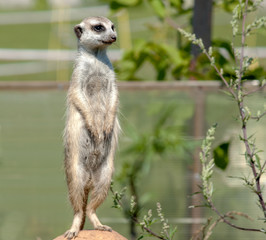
x=123 y=24
x=198 y=132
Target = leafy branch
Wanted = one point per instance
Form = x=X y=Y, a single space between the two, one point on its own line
x=148 y=220
x=235 y=88
x=205 y=231
x=207 y=185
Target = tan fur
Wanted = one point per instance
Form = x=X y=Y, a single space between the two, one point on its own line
x=92 y=127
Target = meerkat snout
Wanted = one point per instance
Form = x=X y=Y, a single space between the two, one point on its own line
x=95 y=32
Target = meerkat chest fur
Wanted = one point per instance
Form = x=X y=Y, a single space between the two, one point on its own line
x=96 y=76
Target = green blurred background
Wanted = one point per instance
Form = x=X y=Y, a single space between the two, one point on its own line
x=33 y=199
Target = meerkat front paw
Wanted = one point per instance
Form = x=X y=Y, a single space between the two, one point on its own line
x=103 y=228
x=69 y=235
x=108 y=127
x=97 y=136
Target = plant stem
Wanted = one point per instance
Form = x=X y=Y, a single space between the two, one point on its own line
x=134 y=193
x=243 y=116
x=222 y=77
x=243 y=40
x=148 y=230
x=242 y=113
x=256 y=90
x=252 y=161
x=228 y=222
x=259 y=117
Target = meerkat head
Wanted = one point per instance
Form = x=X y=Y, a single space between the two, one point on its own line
x=95 y=32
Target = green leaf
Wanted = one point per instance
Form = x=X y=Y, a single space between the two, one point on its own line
x=172 y=232
x=221 y=43
x=139 y=46
x=227 y=5
x=257 y=158
x=116 y=5
x=140 y=237
x=158 y=7
x=128 y=2
x=174 y=54
x=177 y=3
x=125 y=3
x=220 y=154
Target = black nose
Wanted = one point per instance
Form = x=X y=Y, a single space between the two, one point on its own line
x=113 y=38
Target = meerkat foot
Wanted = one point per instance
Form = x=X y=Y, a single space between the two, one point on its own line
x=71 y=234
x=103 y=228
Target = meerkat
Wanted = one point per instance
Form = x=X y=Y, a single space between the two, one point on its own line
x=92 y=126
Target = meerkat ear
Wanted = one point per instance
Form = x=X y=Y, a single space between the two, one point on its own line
x=78 y=30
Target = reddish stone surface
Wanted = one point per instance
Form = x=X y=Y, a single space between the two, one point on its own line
x=95 y=235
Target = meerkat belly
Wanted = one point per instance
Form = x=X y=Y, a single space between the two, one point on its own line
x=92 y=154
x=82 y=152
x=98 y=90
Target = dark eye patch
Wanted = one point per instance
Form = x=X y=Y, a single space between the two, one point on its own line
x=113 y=27
x=98 y=28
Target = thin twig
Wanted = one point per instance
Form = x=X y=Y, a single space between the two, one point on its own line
x=223 y=217
x=259 y=117
x=209 y=232
x=148 y=230
x=256 y=90
x=262 y=169
x=222 y=77
x=137 y=221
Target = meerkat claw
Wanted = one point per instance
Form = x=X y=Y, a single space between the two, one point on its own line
x=103 y=228
x=70 y=235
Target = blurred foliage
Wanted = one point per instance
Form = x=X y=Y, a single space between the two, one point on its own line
x=169 y=61
x=163 y=58
x=225 y=59
x=118 y=4
x=160 y=8
x=163 y=138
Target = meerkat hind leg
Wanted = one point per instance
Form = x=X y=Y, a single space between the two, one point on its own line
x=79 y=205
x=75 y=228
x=94 y=203
x=97 y=197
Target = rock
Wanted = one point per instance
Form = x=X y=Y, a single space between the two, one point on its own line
x=95 y=235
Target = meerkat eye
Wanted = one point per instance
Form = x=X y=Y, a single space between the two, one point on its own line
x=113 y=27
x=99 y=28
